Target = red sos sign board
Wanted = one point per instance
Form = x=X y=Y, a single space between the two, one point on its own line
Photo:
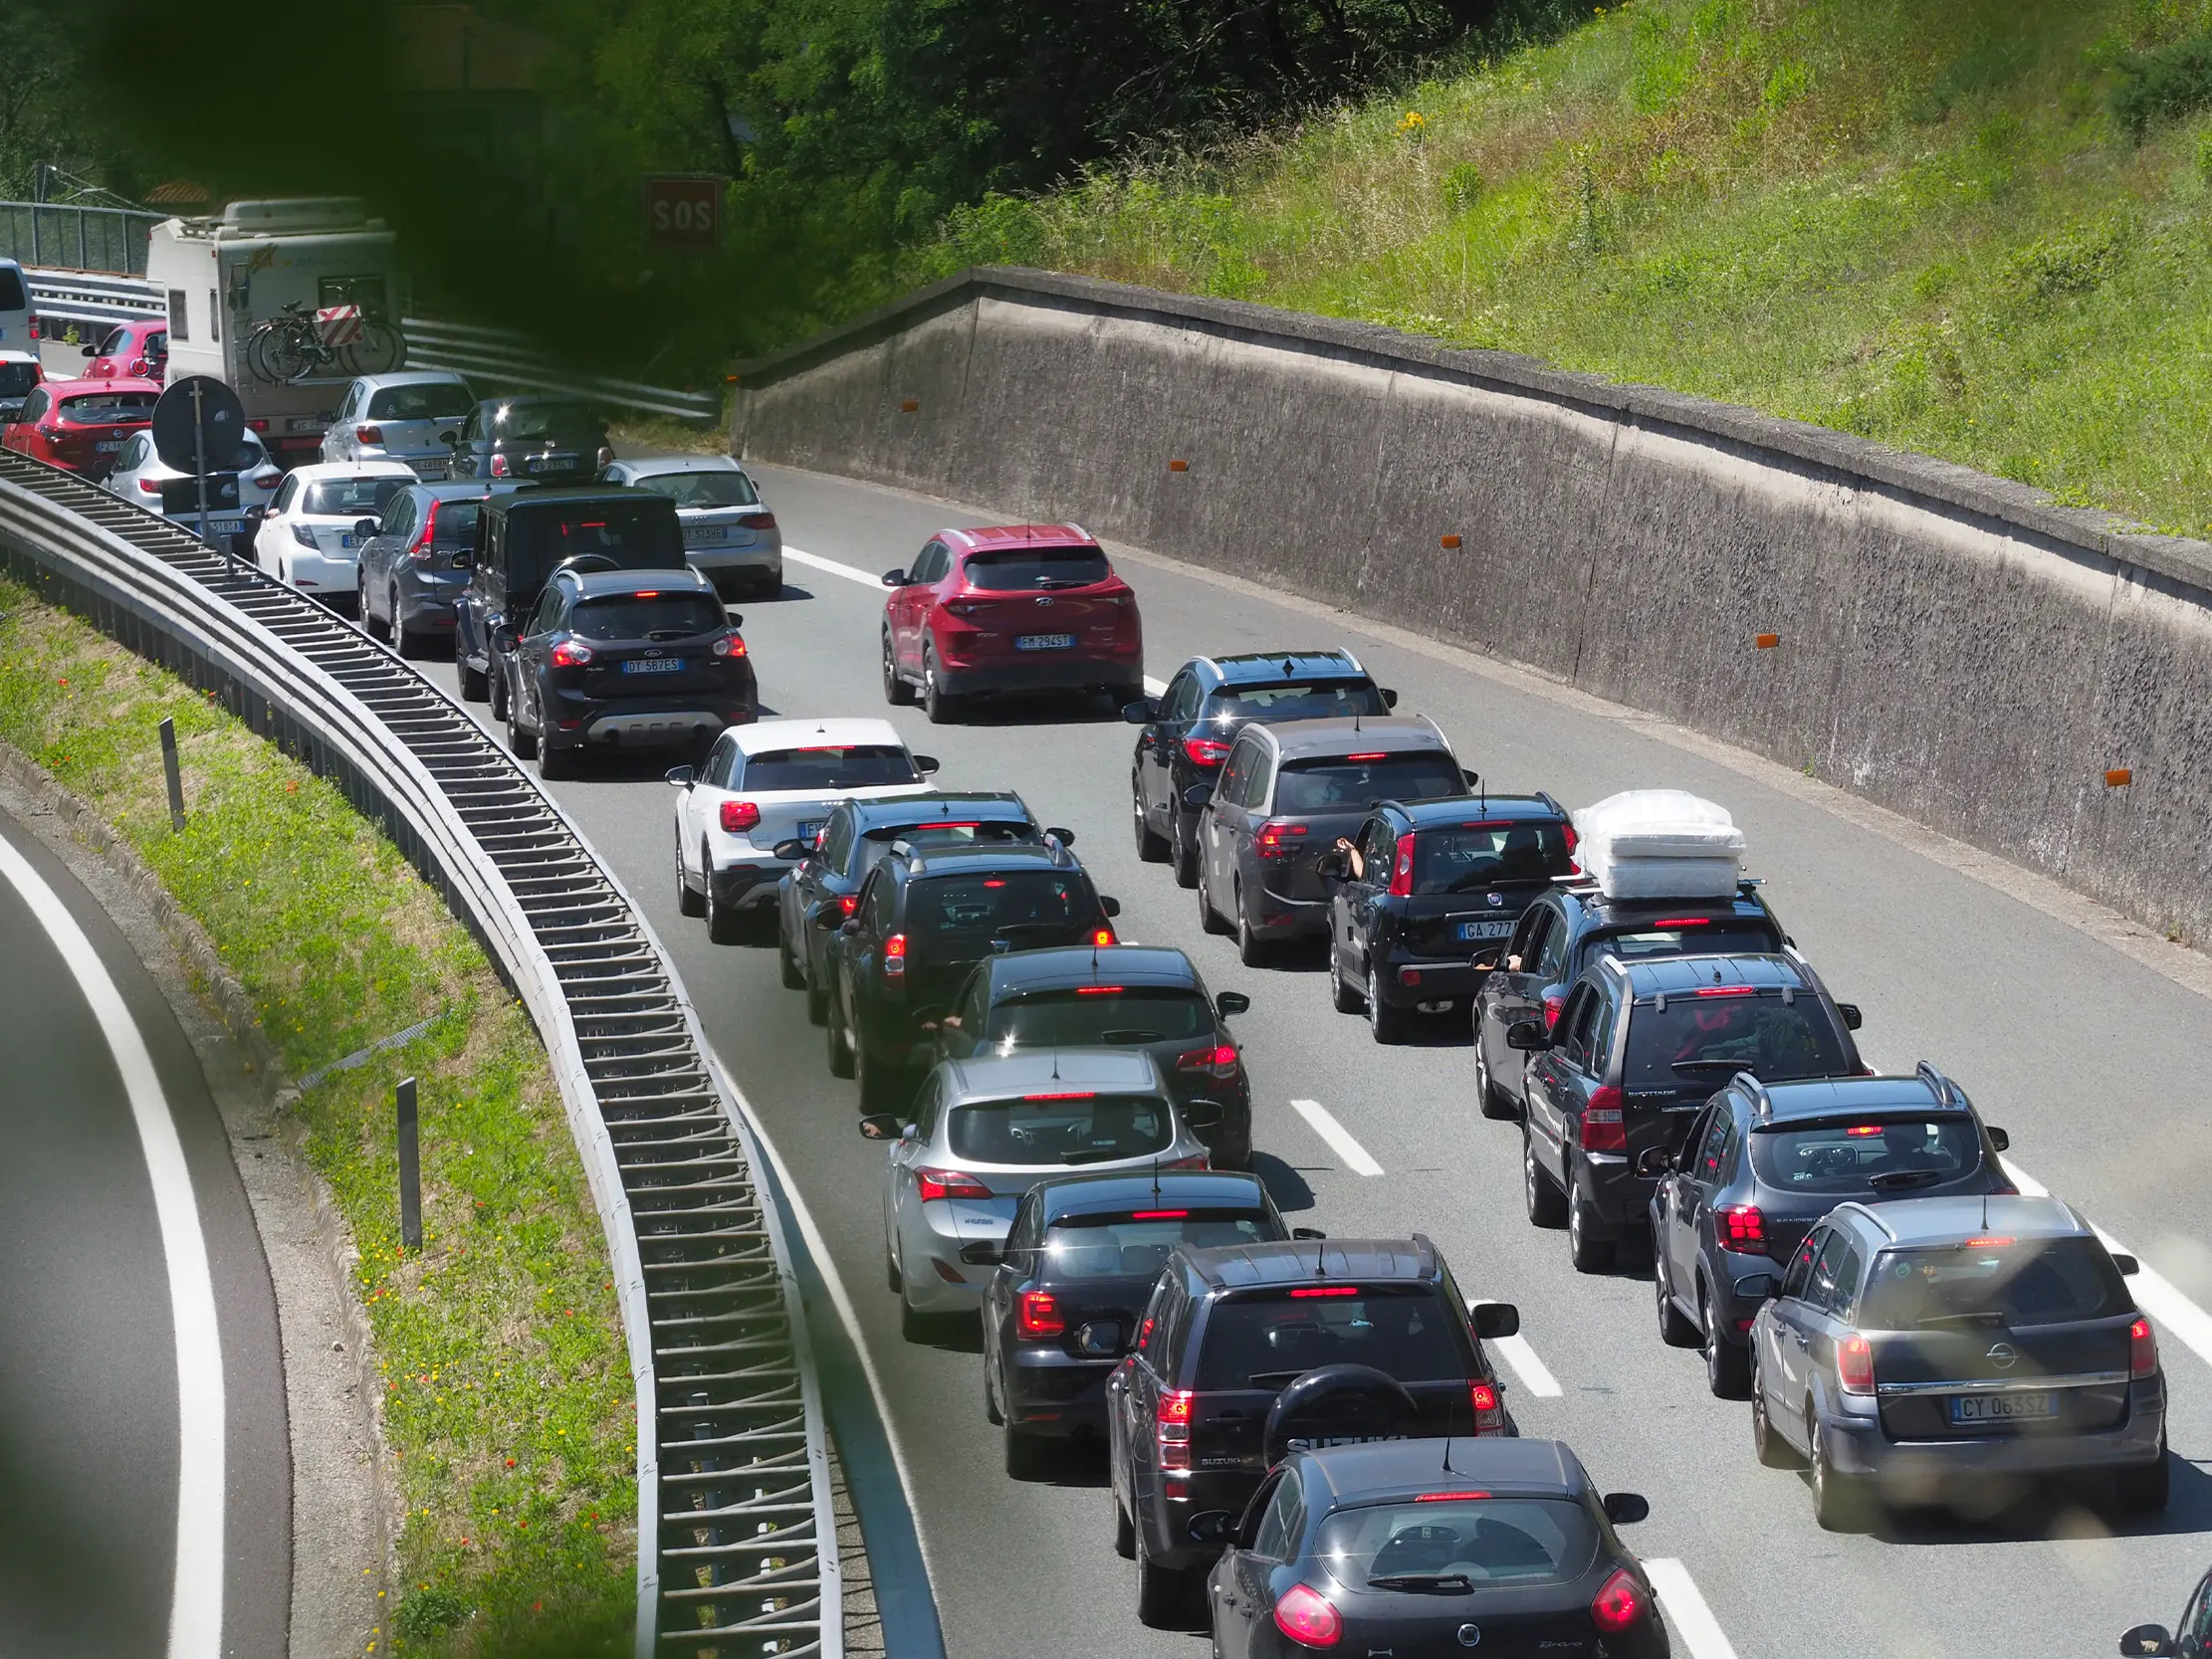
x=683 y=211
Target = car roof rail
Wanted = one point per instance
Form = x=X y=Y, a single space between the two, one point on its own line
x=1615 y=964
x=1949 y=1093
x=1761 y=1100
x=1552 y=801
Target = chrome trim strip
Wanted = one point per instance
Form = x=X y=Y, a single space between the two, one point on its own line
x=2003 y=1384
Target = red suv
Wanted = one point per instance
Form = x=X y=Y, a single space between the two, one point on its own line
x=1013 y=608
x=81 y=424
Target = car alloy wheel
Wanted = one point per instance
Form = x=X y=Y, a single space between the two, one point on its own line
x=367 y=614
x=405 y=640
x=1387 y=1024
x=896 y=691
x=794 y=975
x=1674 y=1329
x=1251 y=949
x=1838 y=1499
x=1185 y=853
x=936 y=702
x=688 y=902
x=723 y=920
x=1344 y=998
x=496 y=690
x=1209 y=918
x=1773 y=1451
x=1585 y=1248
x=1495 y=1101
x=1546 y=1205
x=1727 y=1367
x=524 y=744
x=1152 y=847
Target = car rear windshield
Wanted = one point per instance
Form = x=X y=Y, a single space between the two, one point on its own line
x=16 y=378
x=1700 y=1037
x=1669 y=937
x=107 y=408
x=12 y=296
x=435 y=400
x=1861 y=1155
x=547 y=420
x=702 y=489
x=637 y=616
x=1020 y=570
x=1056 y=1129
x=351 y=497
x=1442 y=1543
x=1043 y=904
x=1137 y=1244
x=1352 y=783
x=829 y=767
x=1476 y=855
x=456 y=522
x=970 y=833
x=1296 y=699
x=1993 y=1280
x=1105 y=1015
x=1265 y=1339
x=637 y=536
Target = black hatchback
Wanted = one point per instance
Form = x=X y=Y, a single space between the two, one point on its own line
x=1426 y=896
x=531 y=439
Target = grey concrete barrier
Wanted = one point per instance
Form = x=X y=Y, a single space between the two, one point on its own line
x=1949 y=645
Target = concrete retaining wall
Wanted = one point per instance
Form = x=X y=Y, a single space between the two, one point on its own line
x=1951 y=646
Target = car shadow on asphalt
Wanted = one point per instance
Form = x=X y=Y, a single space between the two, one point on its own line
x=1283 y=1182
x=1042 y=709
x=2058 y=1512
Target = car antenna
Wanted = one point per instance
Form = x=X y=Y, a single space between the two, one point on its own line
x=1448 y=1454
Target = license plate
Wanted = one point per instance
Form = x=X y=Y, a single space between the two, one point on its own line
x=1043 y=642
x=227 y=527
x=653 y=665
x=107 y=446
x=2001 y=1408
x=430 y=469
x=552 y=462
x=705 y=533
x=809 y=829
x=1487 y=930
x=302 y=423
x=347 y=541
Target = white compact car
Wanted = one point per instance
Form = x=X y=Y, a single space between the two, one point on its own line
x=140 y=475
x=413 y=415
x=730 y=535
x=311 y=534
x=768 y=785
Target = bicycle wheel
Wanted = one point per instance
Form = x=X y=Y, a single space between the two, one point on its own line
x=258 y=345
x=290 y=352
x=380 y=348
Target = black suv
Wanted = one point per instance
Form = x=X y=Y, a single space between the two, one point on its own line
x=522 y=537
x=1226 y=1331
x=1428 y=895
x=1761 y=1163
x=530 y=440
x=852 y=841
x=925 y=918
x=1638 y=1048
x=1123 y=996
x=1563 y=931
x=1188 y=727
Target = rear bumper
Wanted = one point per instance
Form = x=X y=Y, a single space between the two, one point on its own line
x=1039 y=670
x=1617 y=1195
x=751 y=881
x=428 y=605
x=1048 y=1393
x=325 y=575
x=1442 y=978
x=1856 y=1446
x=936 y=1280
x=640 y=723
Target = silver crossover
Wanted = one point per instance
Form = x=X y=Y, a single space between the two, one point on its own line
x=730 y=535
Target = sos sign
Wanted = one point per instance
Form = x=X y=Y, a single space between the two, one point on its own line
x=683 y=211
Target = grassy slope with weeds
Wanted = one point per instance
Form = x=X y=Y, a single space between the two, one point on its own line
x=507 y=1381
x=1929 y=222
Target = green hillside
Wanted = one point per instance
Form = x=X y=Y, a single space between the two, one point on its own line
x=1973 y=228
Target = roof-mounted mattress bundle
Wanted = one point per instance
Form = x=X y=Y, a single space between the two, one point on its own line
x=1660 y=844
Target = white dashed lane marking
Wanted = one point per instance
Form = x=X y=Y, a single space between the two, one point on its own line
x=1685 y=1610
x=1340 y=1140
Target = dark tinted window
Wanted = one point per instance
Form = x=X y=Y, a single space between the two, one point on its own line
x=12 y=295
x=456 y=524
x=638 y=536
x=1137 y=1246
x=1265 y=1339
x=702 y=489
x=2034 y=1282
x=351 y=497
x=547 y=420
x=1016 y=569
x=1862 y=1154
x=1703 y=1038
x=829 y=767
x=436 y=400
x=1296 y=699
x=16 y=378
x=104 y=408
x=1485 y=1541
x=1685 y=937
x=1037 y=901
x=634 y=616
x=1354 y=784
x=1058 y=1129
x=1103 y=1014
x=1479 y=855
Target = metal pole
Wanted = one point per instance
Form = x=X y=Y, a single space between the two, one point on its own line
x=169 y=770
x=410 y=1170
x=199 y=463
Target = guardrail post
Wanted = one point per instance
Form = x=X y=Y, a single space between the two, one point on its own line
x=169 y=770
x=410 y=1169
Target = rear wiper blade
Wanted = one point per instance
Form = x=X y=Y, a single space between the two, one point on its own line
x=670 y=633
x=1889 y=1178
x=1118 y=1036
x=1448 y=1583
x=1725 y=1064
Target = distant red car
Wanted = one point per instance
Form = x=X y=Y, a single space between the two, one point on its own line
x=81 y=424
x=134 y=350
x=1013 y=608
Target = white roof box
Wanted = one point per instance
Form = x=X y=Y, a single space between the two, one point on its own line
x=1660 y=844
x=297 y=213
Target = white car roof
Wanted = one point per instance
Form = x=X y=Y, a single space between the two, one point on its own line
x=12 y=357
x=773 y=734
x=316 y=470
x=414 y=377
x=653 y=465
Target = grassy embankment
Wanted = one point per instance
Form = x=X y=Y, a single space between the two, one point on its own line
x=507 y=1384
x=1935 y=223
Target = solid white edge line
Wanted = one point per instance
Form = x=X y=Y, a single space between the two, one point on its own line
x=197 y=1598
x=1684 y=1606
x=2155 y=1293
x=1338 y=1137
x=1535 y=1375
x=1155 y=686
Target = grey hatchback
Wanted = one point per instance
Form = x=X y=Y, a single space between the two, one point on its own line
x=413 y=569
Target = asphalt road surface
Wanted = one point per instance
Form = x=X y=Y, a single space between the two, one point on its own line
x=2092 y=1058
x=118 y=1208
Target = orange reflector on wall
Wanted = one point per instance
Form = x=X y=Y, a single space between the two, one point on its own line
x=1767 y=642
x=1178 y=466
x=2118 y=777
x=908 y=406
x=1450 y=541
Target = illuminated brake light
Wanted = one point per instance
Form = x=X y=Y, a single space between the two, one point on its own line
x=1220 y=1061
x=1157 y=1215
x=894 y=956
x=370 y=434
x=1378 y=755
x=1552 y=1005
x=1985 y=1243
x=1325 y=1290
x=2142 y=1351
x=1743 y=1228
x=1863 y=1129
x=1102 y=936
x=739 y=816
x=1064 y=1095
x=151 y=487
x=1172 y=1429
x=1854 y=1364
x=730 y=644
x=1489 y=1410
x=1602 y=1127
x=1402 y=868
x=499 y=470
x=948 y=1184
x=1684 y=922
x=1728 y=990
x=1449 y=1497
x=1039 y=1315
x=1618 y=1604
x=571 y=654
x=848 y=903
x=1205 y=752
x=1273 y=838
x=1306 y=1616
x=1098 y=990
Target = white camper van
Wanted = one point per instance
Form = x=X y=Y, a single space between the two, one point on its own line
x=225 y=274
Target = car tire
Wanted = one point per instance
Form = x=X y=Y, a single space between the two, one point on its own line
x=2144 y=1491
x=1251 y=949
x=524 y=744
x=405 y=640
x=914 y=1325
x=1342 y=997
x=1151 y=846
x=893 y=1278
x=818 y=1004
x=1727 y=1367
x=494 y=693
x=992 y=1415
x=1495 y=1101
x=794 y=975
x=1125 y=1531
x=1185 y=855
x=1209 y=918
x=1675 y=1327
x=368 y=612
x=1387 y=1024
x=1839 y=1501
x=1162 y=1595
x=896 y=691
x=936 y=702
x=554 y=760
x=688 y=902
x=1545 y=1203
x=1774 y=1452
x=1027 y=1455
x=879 y=1081
x=724 y=924
x=840 y=1052
x=476 y=686
x=1589 y=1252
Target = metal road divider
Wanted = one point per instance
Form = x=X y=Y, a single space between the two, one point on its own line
x=737 y=1544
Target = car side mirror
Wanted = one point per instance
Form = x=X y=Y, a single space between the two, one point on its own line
x=2128 y=1266
x=680 y=777
x=793 y=848
x=1527 y=1036
x=1654 y=1161
x=257 y=513
x=1998 y=1138
x=1231 y=1002
x=2147 y=1641
x=1389 y=697
x=1108 y=903
x=1212 y=1526
x=1624 y=1509
x=1066 y=837
x=1307 y=1233
x=507 y=639
x=926 y=764
x=1203 y=1115
x=1852 y=1018
x=894 y=578
x=1495 y=1319
x=829 y=915
x=1758 y=1286
x=365 y=526
x=1198 y=795
x=881 y=1126
x=1141 y=713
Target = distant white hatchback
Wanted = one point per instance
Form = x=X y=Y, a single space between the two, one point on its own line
x=413 y=415
x=764 y=787
x=311 y=534
x=730 y=535
x=142 y=478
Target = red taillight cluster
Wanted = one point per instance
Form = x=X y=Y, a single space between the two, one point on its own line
x=1102 y=936
x=1402 y=868
x=848 y=903
x=894 y=956
x=370 y=434
x=1277 y=838
x=1205 y=752
x=2142 y=1351
x=757 y=521
x=948 y=1184
x=571 y=653
x=1308 y=1618
x=1172 y=1433
x=1741 y=1227
x=1602 y=1127
x=149 y=487
x=1619 y=1602
x=499 y=466
x=1553 y=1002
x=739 y=816
x=421 y=551
x=1489 y=1409
x=730 y=644
x=1854 y=1364
x=1196 y=1160
x=1038 y=1315
x=1216 y=1062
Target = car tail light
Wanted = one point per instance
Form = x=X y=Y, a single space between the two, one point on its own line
x=269 y=477
x=948 y=1184
x=1601 y=1129
x=1306 y=1616
x=499 y=466
x=1854 y=1364
x=261 y=425
x=1196 y=1160
x=2142 y=1351
x=1402 y=868
x=1205 y=752
x=894 y=956
x=1741 y=1227
x=1217 y=1062
x=1684 y=922
x=1171 y=1422
x=1619 y=1602
x=606 y=455
x=149 y=487
x=421 y=551
x=1552 y=1004
x=1489 y=1410
x=739 y=816
x=730 y=644
x=848 y=903
x=1039 y=1315
x=571 y=653
x=303 y=535
x=1102 y=936
x=370 y=434
x=757 y=521
x=964 y=607
x=1277 y=838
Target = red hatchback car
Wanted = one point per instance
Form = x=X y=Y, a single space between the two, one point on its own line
x=1012 y=608
x=81 y=424
x=133 y=350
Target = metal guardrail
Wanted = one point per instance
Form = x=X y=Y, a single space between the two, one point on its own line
x=737 y=1547
x=76 y=236
x=80 y=297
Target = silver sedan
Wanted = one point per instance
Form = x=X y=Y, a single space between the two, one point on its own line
x=981 y=1133
x=730 y=535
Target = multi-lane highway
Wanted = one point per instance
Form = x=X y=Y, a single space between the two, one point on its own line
x=2088 y=1053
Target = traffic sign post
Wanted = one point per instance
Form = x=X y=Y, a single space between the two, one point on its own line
x=199 y=427
x=683 y=212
